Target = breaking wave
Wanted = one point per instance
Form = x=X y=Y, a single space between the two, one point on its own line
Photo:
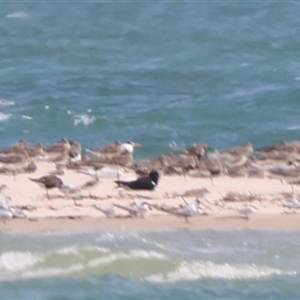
x=188 y=271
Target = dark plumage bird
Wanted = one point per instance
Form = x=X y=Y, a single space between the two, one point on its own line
x=49 y=182
x=148 y=182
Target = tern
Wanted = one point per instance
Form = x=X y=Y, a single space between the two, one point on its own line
x=4 y=204
x=134 y=209
x=6 y=214
x=186 y=211
x=247 y=210
x=107 y=211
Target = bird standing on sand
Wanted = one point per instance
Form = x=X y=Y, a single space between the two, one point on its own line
x=107 y=211
x=49 y=182
x=116 y=153
x=247 y=210
x=142 y=183
x=116 y=147
x=8 y=212
x=185 y=211
x=134 y=209
x=5 y=214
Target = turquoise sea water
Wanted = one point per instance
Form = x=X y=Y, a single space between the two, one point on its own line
x=146 y=265
x=166 y=74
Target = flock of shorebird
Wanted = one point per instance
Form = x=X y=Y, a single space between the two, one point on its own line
x=280 y=161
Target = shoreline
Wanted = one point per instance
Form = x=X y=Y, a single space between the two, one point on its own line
x=262 y=222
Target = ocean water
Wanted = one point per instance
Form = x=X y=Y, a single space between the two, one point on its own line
x=164 y=73
x=146 y=265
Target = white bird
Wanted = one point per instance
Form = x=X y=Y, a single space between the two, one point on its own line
x=4 y=204
x=69 y=188
x=247 y=210
x=129 y=147
x=292 y=203
x=135 y=210
x=186 y=211
x=107 y=211
x=5 y=215
x=104 y=172
x=7 y=212
x=115 y=148
x=19 y=213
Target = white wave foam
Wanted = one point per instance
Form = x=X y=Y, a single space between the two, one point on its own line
x=51 y=272
x=75 y=250
x=293 y=128
x=27 y=117
x=18 y=15
x=147 y=254
x=84 y=119
x=4 y=117
x=135 y=254
x=68 y=250
x=96 y=248
x=17 y=261
x=4 y=102
x=197 y=270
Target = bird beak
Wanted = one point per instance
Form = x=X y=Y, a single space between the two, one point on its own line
x=137 y=145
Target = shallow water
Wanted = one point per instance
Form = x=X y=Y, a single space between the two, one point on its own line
x=157 y=264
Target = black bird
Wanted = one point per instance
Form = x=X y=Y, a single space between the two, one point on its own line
x=49 y=182
x=148 y=182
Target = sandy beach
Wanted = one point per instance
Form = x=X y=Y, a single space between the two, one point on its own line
x=220 y=199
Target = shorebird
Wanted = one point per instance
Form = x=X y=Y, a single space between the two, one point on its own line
x=30 y=167
x=74 y=153
x=134 y=209
x=291 y=203
x=198 y=150
x=128 y=147
x=189 y=210
x=13 y=159
x=247 y=210
x=5 y=214
x=8 y=212
x=107 y=211
x=58 y=147
x=4 y=204
x=213 y=164
x=116 y=153
x=184 y=211
x=19 y=213
x=116 y=147
x=14 y=163
x=49 y=182
x=245 y=150
x=142 y=183
x=19 y=146
x=68 y=156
